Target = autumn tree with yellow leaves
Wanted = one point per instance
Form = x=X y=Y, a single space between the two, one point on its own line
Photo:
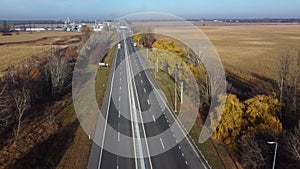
x=257 y=115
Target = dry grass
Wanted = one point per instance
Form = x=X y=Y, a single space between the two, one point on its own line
x=27 y=36
x=12 y=54
x=253 y=49
x=248 y=49
x=15 y=48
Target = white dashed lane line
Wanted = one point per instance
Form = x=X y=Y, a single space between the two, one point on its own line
x=153 y=118
x=148 y=101
x=145 y=90
x=162 y=144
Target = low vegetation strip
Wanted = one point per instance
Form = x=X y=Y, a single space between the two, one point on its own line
x=77 y=155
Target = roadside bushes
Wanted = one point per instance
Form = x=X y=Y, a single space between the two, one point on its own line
x=247 y=126
x=253 y=117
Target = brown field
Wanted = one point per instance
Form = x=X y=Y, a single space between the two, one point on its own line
x=249 y=49
x=15 y=48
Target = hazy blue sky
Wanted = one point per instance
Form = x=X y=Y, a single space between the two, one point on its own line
x=111 y=9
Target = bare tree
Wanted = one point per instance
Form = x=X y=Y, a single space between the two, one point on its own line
x=294 y=79
x=60 y=69
x=251 y=154
x=288 y=78
x=293 y=143
x=18 y=82
x=6 y=114
x=283 y=71
x=22 y=103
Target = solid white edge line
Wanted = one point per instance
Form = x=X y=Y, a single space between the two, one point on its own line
x=109 y=100
x=180 y=126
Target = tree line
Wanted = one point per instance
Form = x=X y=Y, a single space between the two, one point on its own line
x=34 y=81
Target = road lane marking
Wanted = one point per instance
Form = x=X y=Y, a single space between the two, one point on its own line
x=119 y=98
x=140 y=74
x=120 y=80
x=148 y=101
x=186 y=162
x=145 y=90
x=153 y=118
x=162 y=144
x=106 y=117
x=120 y=87
x=179 y=147
x=142 y=81
x=182 y=154
x=133 y=87
x=118 y=136
x=119 y=114
x=172 y=115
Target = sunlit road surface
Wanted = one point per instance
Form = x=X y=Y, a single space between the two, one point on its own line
x=121 y=115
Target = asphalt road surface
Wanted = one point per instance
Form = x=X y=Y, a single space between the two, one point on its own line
x=131 y=109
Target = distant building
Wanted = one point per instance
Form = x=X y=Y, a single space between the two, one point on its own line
x=35 y=29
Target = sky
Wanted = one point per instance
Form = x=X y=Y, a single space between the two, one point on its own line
x=112 y=9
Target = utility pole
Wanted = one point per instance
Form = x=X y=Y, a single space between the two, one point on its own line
x=181 y=93
x=147 y=52
x=156 y=62
x=175 y=94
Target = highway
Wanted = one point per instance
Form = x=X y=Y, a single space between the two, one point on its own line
x=131 y=108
